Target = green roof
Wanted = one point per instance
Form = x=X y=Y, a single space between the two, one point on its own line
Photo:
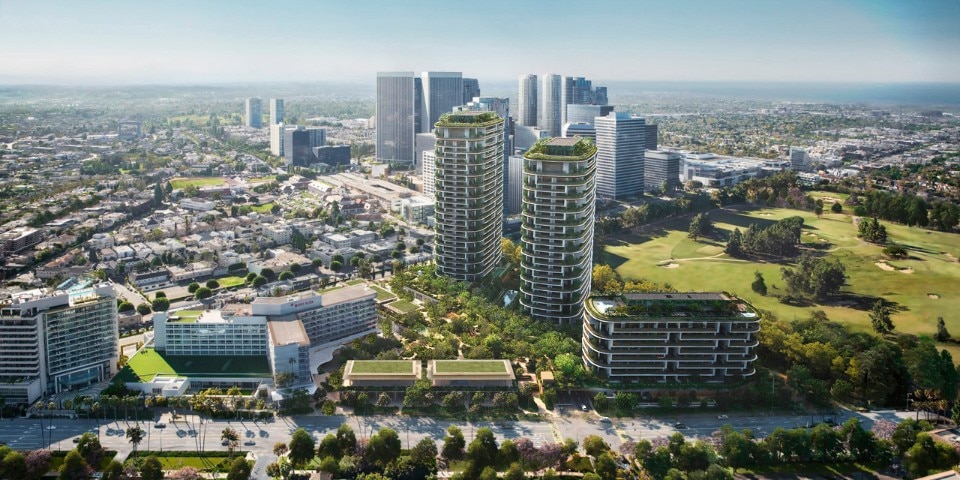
x=148 y=363
x=562 y=149
x=468 y=119
x=382 y=366
x=469 y=366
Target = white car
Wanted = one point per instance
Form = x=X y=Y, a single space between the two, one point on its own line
x=584 y=408
x=722 y=417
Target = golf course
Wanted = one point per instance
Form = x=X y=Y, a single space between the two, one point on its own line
x=921 y=287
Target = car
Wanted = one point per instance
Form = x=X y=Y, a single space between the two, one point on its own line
x=76 y=439
x=249 y=443
x=722 y=417
x=160 y=425
x=225 y=443
x=679 y=426
x=605 y=419
x=584 y=408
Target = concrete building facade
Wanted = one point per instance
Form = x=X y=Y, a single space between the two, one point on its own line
x=556 y=241
x=253 y=113
x=670 y=337
x=550 y=105
x=620 y=155
x=276 y=111
x=527 y=101
x=469 y=193
x=661 y=169
x=396 y=113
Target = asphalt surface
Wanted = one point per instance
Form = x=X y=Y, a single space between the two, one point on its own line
x=190 y=432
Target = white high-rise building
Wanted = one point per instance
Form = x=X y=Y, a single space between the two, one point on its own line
x=276 y=111
x=54 y=340
x=442 y=91
x=556 y=237
x=429 y=165
x=620 y=155
x=469 y=193
x=396 y=112
x=527 y=101
x=549 y=103
x=253 y=113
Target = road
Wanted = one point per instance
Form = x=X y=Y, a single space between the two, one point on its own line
x=190 y=432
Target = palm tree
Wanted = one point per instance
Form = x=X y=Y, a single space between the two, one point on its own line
x=39 y=406
x=232 y=438
x=135 y=436
x=51 y=406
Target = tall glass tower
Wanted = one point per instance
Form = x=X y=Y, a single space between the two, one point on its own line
x=620 y=155
x=550 y=105
x=395 y=116
x=527 y=103
x=441 y=92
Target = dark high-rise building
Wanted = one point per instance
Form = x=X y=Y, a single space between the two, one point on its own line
x=441 y=92
x=253 y=113
x=661 y=170
x=527 y=101
x=332 y=155
x=650 y=136
x=396 y=116
x=299 y=142
x=580 y=91
x=471 y=89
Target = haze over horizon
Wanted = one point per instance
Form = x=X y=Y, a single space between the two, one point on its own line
x=112 y=42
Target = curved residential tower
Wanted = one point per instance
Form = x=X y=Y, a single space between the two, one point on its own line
x=557 y=230
x=469 y=194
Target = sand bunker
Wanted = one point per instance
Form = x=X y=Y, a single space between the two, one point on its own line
x=933 y=296
x=885 y=266
x=765 y=214
x=950 y=257
x=670 y=265
x=905 y=270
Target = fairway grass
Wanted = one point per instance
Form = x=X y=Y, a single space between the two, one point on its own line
x=668 y=256
x=469 y=366
x=179 y=183
x=148 y=362
x=382 y=366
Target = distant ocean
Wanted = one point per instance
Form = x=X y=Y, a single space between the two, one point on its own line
x=874 y=94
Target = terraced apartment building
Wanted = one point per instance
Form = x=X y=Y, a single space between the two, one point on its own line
x=670 y=337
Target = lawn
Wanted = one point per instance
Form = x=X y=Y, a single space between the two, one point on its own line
x=265 y=179
x=465 y=366
x=382 y=366
x=228 y=282
x=263 y=209
x=148 y=362
x=403 y=306
x=178 y=183
x=921 y=287
x=208 y=462
x=382 y=295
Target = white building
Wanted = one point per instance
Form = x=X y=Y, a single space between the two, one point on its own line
x=54 y=340
x=210 y=333
x=327 y=317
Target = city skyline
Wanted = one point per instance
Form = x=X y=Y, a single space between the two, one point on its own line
x=110 y=42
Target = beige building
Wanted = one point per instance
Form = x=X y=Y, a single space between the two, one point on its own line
x=381 y=373
x=471 y=373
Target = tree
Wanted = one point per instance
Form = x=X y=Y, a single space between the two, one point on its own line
x=927 y=456
x=818 y=208
x=384 y=447
x=515 y=472
x=346 y=439
x=734 y=246
x=143 y=309
x=606 y=466
x=942 y=334
x=700 y=226
x=424 y=453
x=759 y=285
x=213 y=284
x=286 y=275
x=185 y=473
x=836 y=207
x=15 y=465
x=192 y=288
x=125 y=306
x=880 y=318
x=301 y=447
x=90 y=449
x=482 y=451
x=606 y=280
x=74 y=467
x=453 y=444
x=239 y=470
x=232 y=439
x=259 y=281
x=814 y=277
x=161 y=304
x=202 y=293
x=151 y=469
x=279 y=449
x=113 y=471
x=135 y=435
x=600 y=401
x=594 y=445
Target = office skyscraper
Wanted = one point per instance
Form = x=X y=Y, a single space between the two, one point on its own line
x=580 y=91
x=471 y=89
x=580 y=113
x=650 y=136
x=527 y=101
x=556 y=237
x=299 y=142
x=661 y=170
x=441 y=92
x=276 y=111
x=254 y=113
x=550 y=105
x=798 y=159
x=469 y=194
x=620 y=155
x=396 y=114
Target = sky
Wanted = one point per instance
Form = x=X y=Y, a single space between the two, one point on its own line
x=237 y=41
